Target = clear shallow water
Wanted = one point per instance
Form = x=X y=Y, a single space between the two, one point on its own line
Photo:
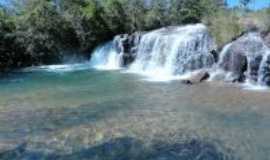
x=89 y=114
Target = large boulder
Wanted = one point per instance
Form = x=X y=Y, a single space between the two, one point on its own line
x=246 y=58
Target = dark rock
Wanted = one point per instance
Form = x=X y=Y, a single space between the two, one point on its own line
x=187 y=82
x=254 y=67
x=243 y=57
x=14 y=153
x=127 y=148
x=214 y=53
x=205 y=77
x=196 y=77
x=126 y=45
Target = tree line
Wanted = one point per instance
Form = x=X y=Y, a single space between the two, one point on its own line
x=35 y=32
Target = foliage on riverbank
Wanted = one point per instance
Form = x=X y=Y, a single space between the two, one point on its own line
x=34 y=32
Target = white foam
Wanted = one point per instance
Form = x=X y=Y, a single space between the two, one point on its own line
x=60 y=68
x=249 y=85
x=105 y=57
x=165 y=54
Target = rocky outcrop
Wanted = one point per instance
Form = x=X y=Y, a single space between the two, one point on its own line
x=127 y=45
x=188 y=48
x=196 y=77
x=184 y=49
x=247 y=58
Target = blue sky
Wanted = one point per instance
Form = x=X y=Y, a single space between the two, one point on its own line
x=256 y=4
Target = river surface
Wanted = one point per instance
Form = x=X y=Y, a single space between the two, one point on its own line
x=103 y=115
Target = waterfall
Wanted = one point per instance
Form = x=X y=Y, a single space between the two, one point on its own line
x=264 y=70
x=172 y=51
x=162 y=54
x=245 y=59
x=105 y=57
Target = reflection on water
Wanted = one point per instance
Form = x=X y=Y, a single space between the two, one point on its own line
x=107 y=115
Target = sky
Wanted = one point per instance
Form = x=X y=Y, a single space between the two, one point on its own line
x=256 y=4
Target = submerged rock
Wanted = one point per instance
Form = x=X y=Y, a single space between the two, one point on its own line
x=12 y=151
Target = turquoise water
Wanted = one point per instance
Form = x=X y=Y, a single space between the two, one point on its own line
x=90 y=114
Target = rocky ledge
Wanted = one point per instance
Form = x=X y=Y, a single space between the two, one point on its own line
x=247 y=57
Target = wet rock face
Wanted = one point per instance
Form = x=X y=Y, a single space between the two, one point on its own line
x=243 y=57
x=254 y=67
x=234 y=61
x=266 y=37
x=199 y=61
x=127 y=45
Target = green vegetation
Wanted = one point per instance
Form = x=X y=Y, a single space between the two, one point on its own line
x=224 y=25
x=34 y=32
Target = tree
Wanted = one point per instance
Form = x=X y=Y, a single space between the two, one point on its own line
x=42 y=29
x=136 y=11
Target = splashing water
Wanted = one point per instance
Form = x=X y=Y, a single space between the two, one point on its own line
x=264 y=70
x=59 y=68
x=173 y=53
x=163 y=54
x=169 y=52
x=247 y=57
x=105 y=57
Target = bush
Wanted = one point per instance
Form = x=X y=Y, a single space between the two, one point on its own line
x=9 y=49
x=40 y=31
x=224 y=26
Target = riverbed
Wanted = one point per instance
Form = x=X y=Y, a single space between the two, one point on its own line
x=90 y=114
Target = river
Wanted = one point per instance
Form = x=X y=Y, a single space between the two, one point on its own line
x=66 y=113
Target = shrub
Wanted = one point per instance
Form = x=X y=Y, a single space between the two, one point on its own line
x=224 y=26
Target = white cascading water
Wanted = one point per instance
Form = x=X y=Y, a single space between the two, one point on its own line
x=218 y=73
x=264 y=70
x=163 y=54
x=252 y=49
x=174 y=52
x=105 y=57
x=168 y=52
